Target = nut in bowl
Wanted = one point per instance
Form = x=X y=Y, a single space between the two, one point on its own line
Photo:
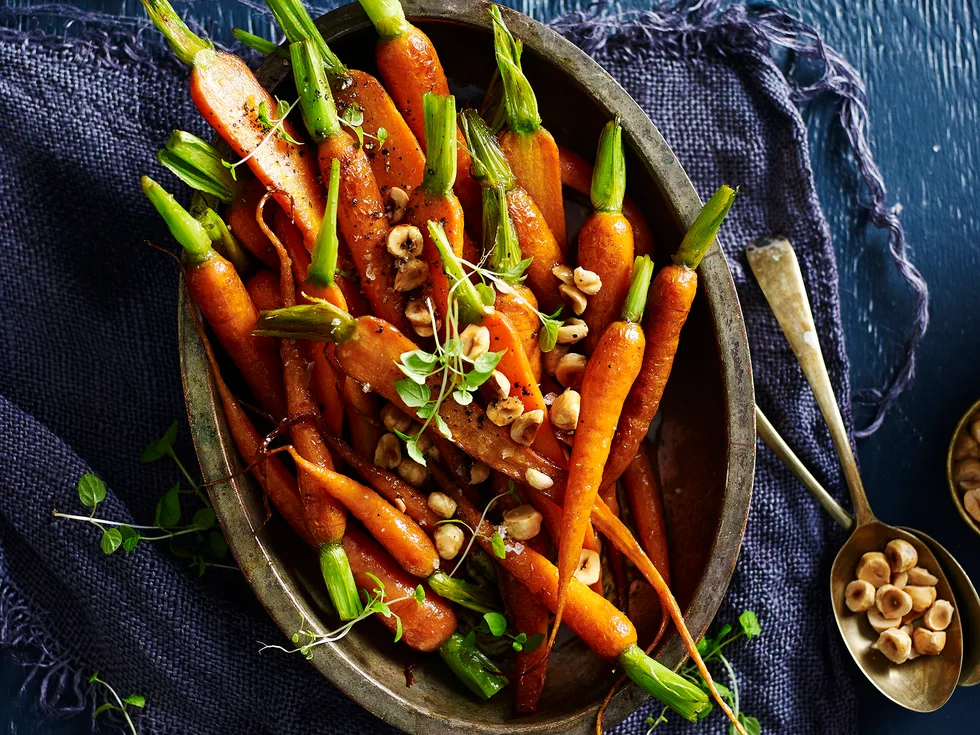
x=963 y=467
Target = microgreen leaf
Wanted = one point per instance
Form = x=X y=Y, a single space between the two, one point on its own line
x=487 y=295
x=398 y=629
x=262 y=115
x=420 y=590
x=382 y=136
x=534 y=643
x=103 y=708
x=91 y=490
x=495 y=623
x=352 y=115
x=497 y=542
x=284 y=134
x=282 y=108
x=487 y=362
x=442 y=427
x=412 y=445
x=203 y=519
x=414 y=394
x=548 y=336
x=751 y=725
x=111 y=540
x=160 y=448
x=130 y=537
x=750 y=624
x=462 y=397
x=470 y=639
x=168 y=508
x=137 y=700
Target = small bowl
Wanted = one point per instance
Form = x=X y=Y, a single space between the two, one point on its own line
x=961 y=428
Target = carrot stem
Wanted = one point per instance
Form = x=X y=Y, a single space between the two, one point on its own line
x=685 y=698
x=470 y=665
x=490 y=165
x=471 y=305
x=609 y=175
x=500 y=237
x=221 y=238
x=185 y=43
x=197 y=164
x=387 y=17
x=316 y=102
x=321 y=321
x=297 y=25
x=636 y=298
x=463 y=593
x=337 y=575
x=702 y=233
x=440 y=144
x=323 y=265
x=186 y=230
x=263 y=45
x=519 y=101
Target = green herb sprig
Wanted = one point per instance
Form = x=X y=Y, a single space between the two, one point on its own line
x=496 y=540
x=494 y=625
x=121 y=704
x=353 y=118
x=272 y=126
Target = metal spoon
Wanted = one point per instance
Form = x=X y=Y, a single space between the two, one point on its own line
x=959 y=580
x=923 y=685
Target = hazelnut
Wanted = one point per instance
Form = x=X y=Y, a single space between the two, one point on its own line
x=479 y=473
x=928 y=642
x=909 y=631
x=939 y=615
x=911 y=617
x=975 y=429
x=522 y=523
x=900 y=579
x=475 y=341
x=575 y=298
x=971 y=501
x=405 y=241
x=424 y=441
x=967 y=474
x=966 y=447
x=894 y=644
x=571 y=370
x=395 y=419
x=879 y=622
x=449 y=540
x=504 y=411
x=412 y=273
x=564 y=274
x=550 y=360
x=496 y=386
x=922 y=597
x=859 y=595
x=588 y=568
x=412 y=472
x=565 y=409
x=893 y=602
x=388 y=453
x=526 y=426
x=874 y=568
x=588 y=282
x=418 y=314
x=901 y=555
x=572 y=331
x=921 y=577
x=537 y=479
x=442 y=505
x=397 y=201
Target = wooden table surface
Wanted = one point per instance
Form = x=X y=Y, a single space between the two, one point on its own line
x=920 y=61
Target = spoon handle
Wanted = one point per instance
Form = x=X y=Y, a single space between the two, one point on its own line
x=777 y=270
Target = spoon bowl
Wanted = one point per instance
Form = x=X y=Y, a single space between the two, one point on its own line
x=922 y=685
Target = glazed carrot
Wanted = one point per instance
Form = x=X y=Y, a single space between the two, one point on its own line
x=576 y=174
x=232 y=101
x=361 y=215
x=434 y=199
x=521 y=309
x=391 y=147
x=530 y=617
x=531 y=149
x=605 y=242
x=491 y=169
x=240 y=214
x=325 y=516
x=368 y=350
x=263 y=289
x=362 y=416
x=410 y=67
x=616 y=561
x=607 y=381
x=221 y=296
x=670 y=300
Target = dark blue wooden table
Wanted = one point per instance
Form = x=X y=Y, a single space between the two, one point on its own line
x=920 y=61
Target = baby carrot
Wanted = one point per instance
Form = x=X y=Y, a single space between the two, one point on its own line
x=240 y=214
x=530 y=617
x=576 y=174
x=234 y=103
x=670 y=300
x=520 y=308
x=362 y=413
x=531 y=149
x=263 y=289
x=607 y=381
x=221 y=296
x=390 y=146
x=410 y=67
x=361 y=216
x=538 y=245
x=605 y=242
x=615 y=557
x=434 y=199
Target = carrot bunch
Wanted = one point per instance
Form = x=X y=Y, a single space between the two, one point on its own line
x=397 y=286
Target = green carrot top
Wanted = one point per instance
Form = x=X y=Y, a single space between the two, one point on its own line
x=297 y=25
x=500 y=237
x=323 y=265
x=316 y=101
x=702 y=233
x=609 y=176
x=186 y=230
x=320 y=322
x=520 y=103
x=636 y=297
x=387 y=17
x=185 y=43
x=257 y=43
x=198 y=164
x=471 y=307
x=440 y=143
x=490 y=166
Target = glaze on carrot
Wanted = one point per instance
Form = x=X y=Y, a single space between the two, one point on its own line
x=263 y=289
x=240 y=215
x=670 y=300
x=219 y=293
x=605 y=242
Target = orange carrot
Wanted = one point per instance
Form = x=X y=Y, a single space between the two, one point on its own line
x=670 y=299
x=576 y=174
x=221 y=296
x=530 y=149
x=362 y=417
x=410 y=67
x=608 y=377
x=615 y=557
x=521 y=309
x=530 y=617
x=263 y=289
x=605 y=242
x=232 y=101
x=240 y=215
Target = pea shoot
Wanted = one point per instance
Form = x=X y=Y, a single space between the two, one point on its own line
x=121 y=705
